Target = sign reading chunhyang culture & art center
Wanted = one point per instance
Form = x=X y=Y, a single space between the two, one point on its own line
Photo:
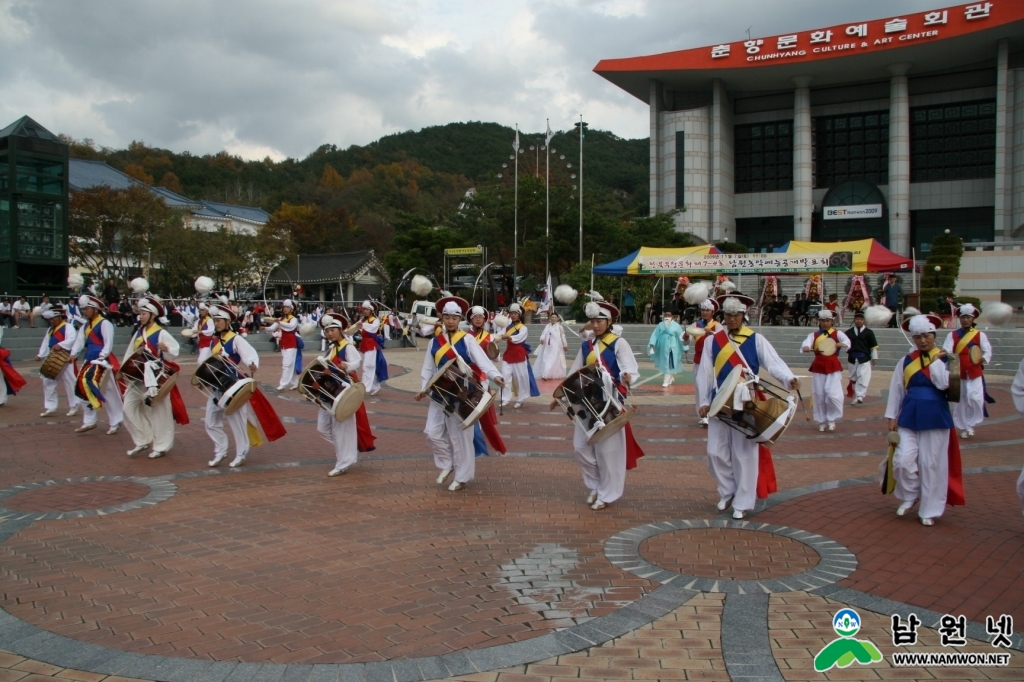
x=852 y=212
x=746 y=263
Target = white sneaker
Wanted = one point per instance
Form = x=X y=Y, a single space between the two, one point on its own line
x=671 y=379
x=831 y=426
x=927 y=522
x=965 y=434
x=445 y=473
x=237 y=461
x=85 y=427
x=113 y=429
x=822 y=427
x=456 y=486
x=592 y=497
x=970 y=433
x=665 y=383
x=73 y=412
x=703 y=422
x=723 y=503
x=336 y=471
x=737 y=514
x=137 y=449
x=598 y=506
x=217 y=459
x=517 y=405
x=48 y=413
x=156 y=454
x=905 y=507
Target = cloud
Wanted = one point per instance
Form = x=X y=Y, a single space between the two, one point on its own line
x=273 y=78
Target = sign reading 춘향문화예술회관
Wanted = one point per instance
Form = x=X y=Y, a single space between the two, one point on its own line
x=746 y=263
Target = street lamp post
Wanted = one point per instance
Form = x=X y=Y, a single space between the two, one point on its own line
x=582 y=126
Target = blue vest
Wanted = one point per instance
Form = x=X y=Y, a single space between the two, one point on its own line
x=93 y=339
x=924 y=406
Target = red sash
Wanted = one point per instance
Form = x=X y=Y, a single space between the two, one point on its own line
x=955 y=487
x=15 y=382
x=489 y=425
x=265 y=415
x=177 y=404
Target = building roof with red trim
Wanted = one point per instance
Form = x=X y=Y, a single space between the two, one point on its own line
x=930 y=42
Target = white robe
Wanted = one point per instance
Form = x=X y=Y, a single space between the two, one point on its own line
x=517 y=373
x=921 y=461
x=150 y=424
x=289 y=379
x=237 y=422
x=66 y=378
x=342 y=435
x=970 y=411
x=732 y=458
x=111 y=393
x=451 y=444
x=550 y=363
x=369 y=375
x=827 y=389
x=1017 y=391
x=604 y=465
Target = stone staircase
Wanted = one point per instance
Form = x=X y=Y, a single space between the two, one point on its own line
x=1007 y=344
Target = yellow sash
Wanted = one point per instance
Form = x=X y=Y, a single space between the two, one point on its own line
x=918 y=364
x=336 y=350
x=140 y=338
x=961 y=346
x=724 y=354
x=599 y=347
x=218 y=345
x=443 y=350
x=831 y=333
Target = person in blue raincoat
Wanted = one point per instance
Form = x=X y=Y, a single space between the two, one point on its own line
x=666 y=347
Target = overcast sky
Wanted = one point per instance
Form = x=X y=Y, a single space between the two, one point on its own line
x=260 y=78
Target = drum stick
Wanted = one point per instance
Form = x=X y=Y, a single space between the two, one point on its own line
x=803 y=404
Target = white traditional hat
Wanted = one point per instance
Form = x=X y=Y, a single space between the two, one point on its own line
x=601 y=310
x=825 y=314
x=334 y=320
x=709 y=304
x=221 y=312
x=287 y=303
x=515 y=308
x=55 y=311
x=452 y=305
x=87 y=301
x=733 y=305
x=967 y=309
x=478 y=310
x=151 y=305
x=921 y=324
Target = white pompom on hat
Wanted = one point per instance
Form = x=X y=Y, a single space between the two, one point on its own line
x=452 y=305
x=920 y=324
x=221 y=312
x=151 y=305
x=287 y=303
x=967 y=309
x=825 y=314
x=333 y=321
x=87 y=301
x=733 y=306
x=515 y=308
x=478 y=310
x=709 y=304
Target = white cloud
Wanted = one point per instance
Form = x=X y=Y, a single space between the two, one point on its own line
x=274 y=78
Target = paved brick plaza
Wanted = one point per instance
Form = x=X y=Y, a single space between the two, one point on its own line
x=276 y=571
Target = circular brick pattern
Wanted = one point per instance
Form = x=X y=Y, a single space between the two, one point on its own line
x=728 y=553
x=79 y=497
x=835 y=561
x=76 y=496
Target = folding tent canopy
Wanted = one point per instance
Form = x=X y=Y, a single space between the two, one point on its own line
x=649 y=260
x=868 y=255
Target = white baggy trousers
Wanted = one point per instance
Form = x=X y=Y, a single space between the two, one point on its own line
x=451 y=444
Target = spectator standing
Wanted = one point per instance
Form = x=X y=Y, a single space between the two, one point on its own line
x=110 y=293
x=892 y=293
x=629 y=303
x=400 y=305
x=656 y=309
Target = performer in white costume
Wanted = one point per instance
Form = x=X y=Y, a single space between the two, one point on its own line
x=149 y=425
x=1017 y=391
x=63 y=334
x=550 y=361
x=733 y=459
x=516 y=359
x=863 y=355
x=369 y=347
x=827 y=382
x=970 y=411
x=342 y=435
x=96 y=338
x=452 y=445
x=289 y=326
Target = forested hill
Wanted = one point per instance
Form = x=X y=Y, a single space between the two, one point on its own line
x=471 y=153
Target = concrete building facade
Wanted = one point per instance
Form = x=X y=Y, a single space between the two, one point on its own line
x=914 y=124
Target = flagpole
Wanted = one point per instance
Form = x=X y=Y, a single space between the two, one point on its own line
x=581 y=189
x=515 y=220
x=547 y=208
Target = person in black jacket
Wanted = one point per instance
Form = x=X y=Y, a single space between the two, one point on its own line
x=863 y=355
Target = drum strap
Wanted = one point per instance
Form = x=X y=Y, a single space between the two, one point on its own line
x=831 y=333
x=446 y=350
x=919 y=363
x=966 y=341
x=57 y=335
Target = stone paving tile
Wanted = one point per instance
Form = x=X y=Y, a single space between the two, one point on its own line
x=726 y=553
x=73 y=496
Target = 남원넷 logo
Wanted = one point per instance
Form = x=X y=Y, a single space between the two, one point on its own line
x=843 y=652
